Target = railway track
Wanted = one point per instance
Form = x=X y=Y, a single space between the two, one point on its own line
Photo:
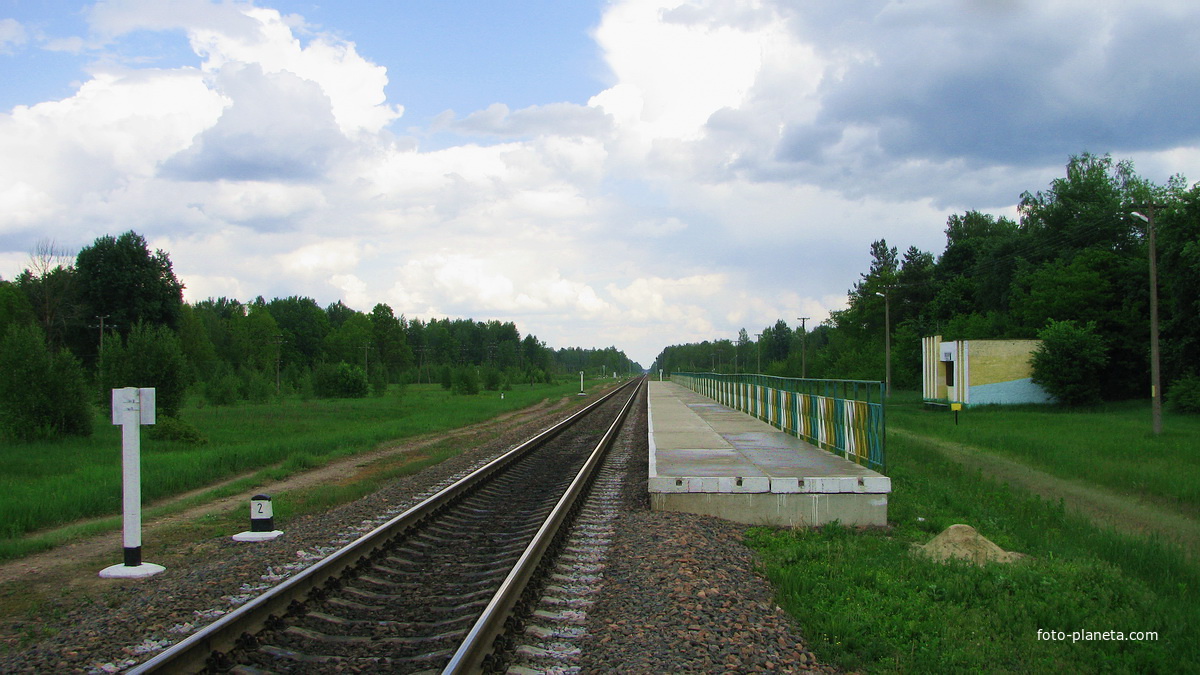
x=439 y=587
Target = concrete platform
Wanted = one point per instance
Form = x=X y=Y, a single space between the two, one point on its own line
x=709 y=459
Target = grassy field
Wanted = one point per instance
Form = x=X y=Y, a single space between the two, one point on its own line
x=1111 y=446
x=865 y=602
x=52 y=483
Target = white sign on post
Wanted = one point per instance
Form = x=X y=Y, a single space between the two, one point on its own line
x=131 y=408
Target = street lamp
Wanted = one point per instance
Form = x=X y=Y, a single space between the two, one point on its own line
x=887 y=342
x=1155 y=383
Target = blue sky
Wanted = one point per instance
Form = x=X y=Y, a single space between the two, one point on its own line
x=464 y=55
x=634 y=173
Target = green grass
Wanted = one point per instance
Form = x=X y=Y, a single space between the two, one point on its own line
x=1111 y=446
x=49 y=484
x=865 y=602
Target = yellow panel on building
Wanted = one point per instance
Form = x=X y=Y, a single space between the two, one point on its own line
x=980 y=372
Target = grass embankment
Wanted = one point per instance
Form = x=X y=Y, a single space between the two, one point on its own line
x=865 y=602
x=48 y=484
x=1111 y=446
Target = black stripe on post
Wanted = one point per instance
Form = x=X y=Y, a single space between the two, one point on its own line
x=133 y=556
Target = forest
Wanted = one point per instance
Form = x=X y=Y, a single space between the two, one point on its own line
x=1073 y=270
x=74 y=327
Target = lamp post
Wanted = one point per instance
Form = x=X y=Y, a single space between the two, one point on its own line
x=1155 y=384
x=803 y=348
x=887 y=342
x=758 y=349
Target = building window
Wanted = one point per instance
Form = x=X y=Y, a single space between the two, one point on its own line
x=949 y=373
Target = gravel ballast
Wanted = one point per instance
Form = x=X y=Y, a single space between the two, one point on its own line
x=677 y=593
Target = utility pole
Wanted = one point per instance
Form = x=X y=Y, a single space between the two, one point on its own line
x=100 y=354
x=102 y=318
x=758 y=349
x=278 y=353
x=887 y=342
x=1155 y=373
x=803 y=347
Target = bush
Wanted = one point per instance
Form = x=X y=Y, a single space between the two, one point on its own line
x=221 y=389
x=1069 y=363
x=256 y=387
x=492 y=378
x=1185 y=395
x=340 y=380
x=151 y=356
x=379 y=381
x=167 y=428
x=466 y=381
x=42 y=394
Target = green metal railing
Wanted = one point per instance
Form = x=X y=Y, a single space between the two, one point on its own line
x=844 y=417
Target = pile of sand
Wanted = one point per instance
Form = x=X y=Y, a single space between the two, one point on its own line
x=964 y=543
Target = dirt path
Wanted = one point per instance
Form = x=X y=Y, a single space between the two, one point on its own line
x=49 y=563
x=1102 y=506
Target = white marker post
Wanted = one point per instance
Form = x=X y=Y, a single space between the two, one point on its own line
x=131 y=408
x=262 y=521
x=581 y=392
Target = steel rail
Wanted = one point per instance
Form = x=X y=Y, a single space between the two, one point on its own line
x=193 y=654
x=480 y=643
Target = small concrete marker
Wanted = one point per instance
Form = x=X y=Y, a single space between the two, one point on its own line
x=262 y=521
x=131 y=408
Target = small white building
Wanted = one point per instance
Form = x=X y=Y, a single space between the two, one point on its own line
x=979 y=372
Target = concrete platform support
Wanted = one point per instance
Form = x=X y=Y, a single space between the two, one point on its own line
x=779 y=510
x=709 y=459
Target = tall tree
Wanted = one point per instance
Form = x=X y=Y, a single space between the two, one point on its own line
x=14 y=306
x=197 y=346
x=150 y=356
x=1086 y=208
x=390 y=341
x=43 y=391
x=304 y=326
x=1179 y=275
x=120 y=278
x=50 y=285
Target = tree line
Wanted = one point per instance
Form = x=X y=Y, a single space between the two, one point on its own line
x=73 y=328
x=1073 y=270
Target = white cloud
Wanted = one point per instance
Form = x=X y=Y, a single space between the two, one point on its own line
x=238 y=32
x=734 y=170
x=554 y=119
x=12 y=34
x=671 y=75
x=277 y=127
x=491 y=284
x=353 y=84
x=321 y=259
x=23 y=205
x=117 y=126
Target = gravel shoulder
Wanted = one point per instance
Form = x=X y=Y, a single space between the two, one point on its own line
x=680 y=593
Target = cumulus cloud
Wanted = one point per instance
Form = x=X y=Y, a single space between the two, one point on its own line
x=734 y=169
x=321 y=258
x=277 y=126
x=116 y=128
x=12 y=34
x=445 y=283
x=241 y=33
x=554 y=119
x=948 y=89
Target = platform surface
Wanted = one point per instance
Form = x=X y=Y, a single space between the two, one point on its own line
x=708 y=458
